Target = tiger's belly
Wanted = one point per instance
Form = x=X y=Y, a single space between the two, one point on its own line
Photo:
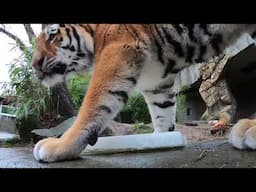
x=151 y=76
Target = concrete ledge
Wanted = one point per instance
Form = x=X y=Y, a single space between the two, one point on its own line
x=114 y=144
x=5 y=136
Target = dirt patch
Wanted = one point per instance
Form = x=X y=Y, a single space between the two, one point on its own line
x=196 y=132
x=200 y=132
x=116 y=128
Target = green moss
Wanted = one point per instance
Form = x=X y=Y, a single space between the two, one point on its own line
x=140 y=128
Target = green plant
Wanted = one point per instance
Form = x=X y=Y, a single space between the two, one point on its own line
x=77 y=87
x=184 y=88
x=26 y=125
x=34 y=102
x=181 y=100
x=135 y=110
x=32 y=97
x=9 y=110
x=140 y=128
x=180 y=111
x=215 y=117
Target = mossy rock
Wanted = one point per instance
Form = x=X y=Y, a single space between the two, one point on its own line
x=140 y=128
x=56 y=131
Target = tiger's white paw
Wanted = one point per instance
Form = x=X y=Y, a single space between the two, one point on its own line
x=165 y=129
x=250 y=138
x=54 y=149
x=243 y=134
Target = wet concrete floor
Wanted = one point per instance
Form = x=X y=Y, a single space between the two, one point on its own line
x=209 y=154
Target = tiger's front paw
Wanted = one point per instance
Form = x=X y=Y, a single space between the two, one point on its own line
x=243 y=134
x=54 y=149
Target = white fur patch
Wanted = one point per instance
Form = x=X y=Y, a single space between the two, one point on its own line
x=237 y=142
x=168 y=115
x=151 y=74
x=53 y=80
x=250 y=140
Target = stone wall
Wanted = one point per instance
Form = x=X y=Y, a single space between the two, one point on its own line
x=215 y=89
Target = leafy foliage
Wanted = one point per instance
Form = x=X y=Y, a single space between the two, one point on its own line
x=141 y=128
x=135 y=110
x=8 y=110
x=32 y=98
x=180 y=112
x=181 y=100
x=77 y=87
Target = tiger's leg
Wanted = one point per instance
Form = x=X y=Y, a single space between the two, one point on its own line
x=162 y=109
x=243 y=134
x=115 y=74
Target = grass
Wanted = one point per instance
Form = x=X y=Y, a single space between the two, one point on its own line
x=140 y=128
x=10 y=143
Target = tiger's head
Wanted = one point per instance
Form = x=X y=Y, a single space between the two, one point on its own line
x=61 y=50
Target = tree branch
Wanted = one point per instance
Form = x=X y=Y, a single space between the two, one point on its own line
x=18 y=41
x=29 y=31
x=43 y=26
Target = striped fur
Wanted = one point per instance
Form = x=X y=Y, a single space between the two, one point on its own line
x=123 y=57
x=62 y=50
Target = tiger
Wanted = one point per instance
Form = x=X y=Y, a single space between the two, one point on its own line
x=121 y=58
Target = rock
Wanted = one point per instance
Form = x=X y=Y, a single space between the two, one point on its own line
x=214 y=89
x=55 y=131
x=205 y=86
x=117 y=128
x=7 y=137
x=7 y=123
x=114 y=128
x=25 y=125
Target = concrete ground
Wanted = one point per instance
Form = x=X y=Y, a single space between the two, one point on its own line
x=202 y=151
x=207 y=154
